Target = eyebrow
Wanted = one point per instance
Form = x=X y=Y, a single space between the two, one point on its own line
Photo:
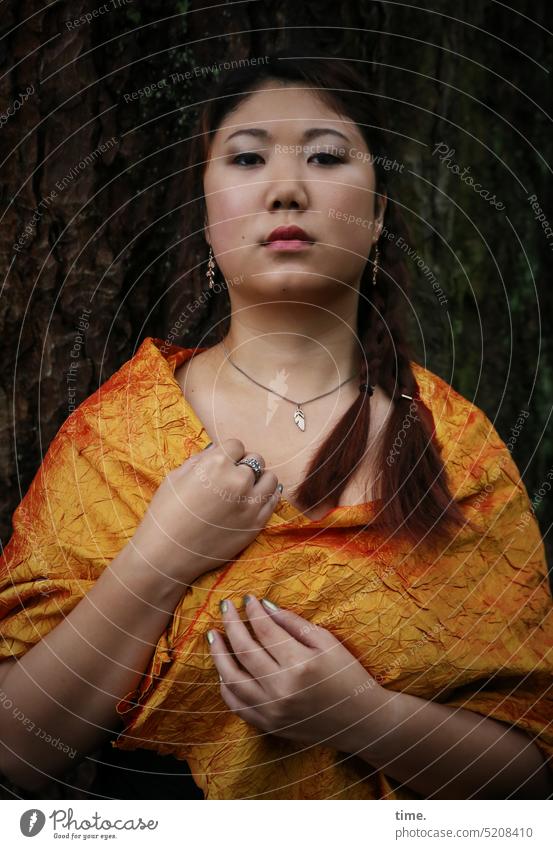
x=313 y=132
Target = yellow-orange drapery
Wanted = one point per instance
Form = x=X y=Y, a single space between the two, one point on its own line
x=468 y=625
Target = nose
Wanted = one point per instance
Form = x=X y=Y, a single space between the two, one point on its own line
x=285 y=190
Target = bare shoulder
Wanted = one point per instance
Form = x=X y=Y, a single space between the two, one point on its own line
x=197 y=370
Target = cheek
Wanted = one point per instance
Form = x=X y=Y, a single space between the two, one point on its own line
x=237 y=207
x=355 y=227
x=232 y=210
x=225 y=228
x=351 y=192
x=352 y=237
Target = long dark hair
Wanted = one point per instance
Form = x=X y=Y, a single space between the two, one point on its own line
x=413 y=489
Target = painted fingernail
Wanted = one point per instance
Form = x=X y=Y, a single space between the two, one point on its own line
x=207 y=446
x=220 y=679
x=280 y=488
x=210 y=636
x=270 y=605
x=247 y=598
x=223 y=605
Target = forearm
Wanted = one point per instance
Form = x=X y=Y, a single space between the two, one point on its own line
x=452 y=753
x=69 y=683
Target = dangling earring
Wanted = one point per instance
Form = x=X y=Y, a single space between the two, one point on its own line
x=210 y=273
x=375 y=264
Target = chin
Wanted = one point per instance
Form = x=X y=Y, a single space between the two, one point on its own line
x=292 y=281
x=293 y=295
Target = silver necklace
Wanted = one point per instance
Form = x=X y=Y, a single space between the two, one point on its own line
x=299 y=415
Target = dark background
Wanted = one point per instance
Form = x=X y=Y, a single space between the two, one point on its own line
x=475 y=76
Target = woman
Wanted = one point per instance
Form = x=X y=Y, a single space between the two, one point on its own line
x=385 y=625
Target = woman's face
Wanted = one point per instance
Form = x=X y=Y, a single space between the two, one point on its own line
x=304 y=165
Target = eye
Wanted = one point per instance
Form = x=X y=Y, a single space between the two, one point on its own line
x=331 y=159
x=335 y=159
x=240 y=155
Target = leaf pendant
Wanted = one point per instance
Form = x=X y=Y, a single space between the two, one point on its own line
x=299 y=418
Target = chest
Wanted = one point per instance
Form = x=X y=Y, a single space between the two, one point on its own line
x=265 y=425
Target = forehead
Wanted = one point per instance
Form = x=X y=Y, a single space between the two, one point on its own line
x=285 y=110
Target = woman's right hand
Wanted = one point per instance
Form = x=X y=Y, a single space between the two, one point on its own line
x=205 y=512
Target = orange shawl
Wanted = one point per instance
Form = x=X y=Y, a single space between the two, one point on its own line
x=468 y=626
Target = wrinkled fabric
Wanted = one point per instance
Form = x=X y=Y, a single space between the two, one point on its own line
x=469 y=625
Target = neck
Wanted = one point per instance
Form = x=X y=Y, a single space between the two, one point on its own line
x=304 y=350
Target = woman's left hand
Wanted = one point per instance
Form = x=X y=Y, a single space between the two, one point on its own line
x=296 y=680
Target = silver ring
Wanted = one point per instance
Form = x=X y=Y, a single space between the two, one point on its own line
x=254 y=464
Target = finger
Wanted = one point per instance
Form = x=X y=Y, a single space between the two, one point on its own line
x=249 y=714
x=266 y=484
x=268 y=507
x=195 y=458
x=236 y=679
x=248 y=652
x=304 y=631
x=232 y=448
x=278 y=641
x=264 y=490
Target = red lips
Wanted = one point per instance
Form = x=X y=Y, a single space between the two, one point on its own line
x=291 y=232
